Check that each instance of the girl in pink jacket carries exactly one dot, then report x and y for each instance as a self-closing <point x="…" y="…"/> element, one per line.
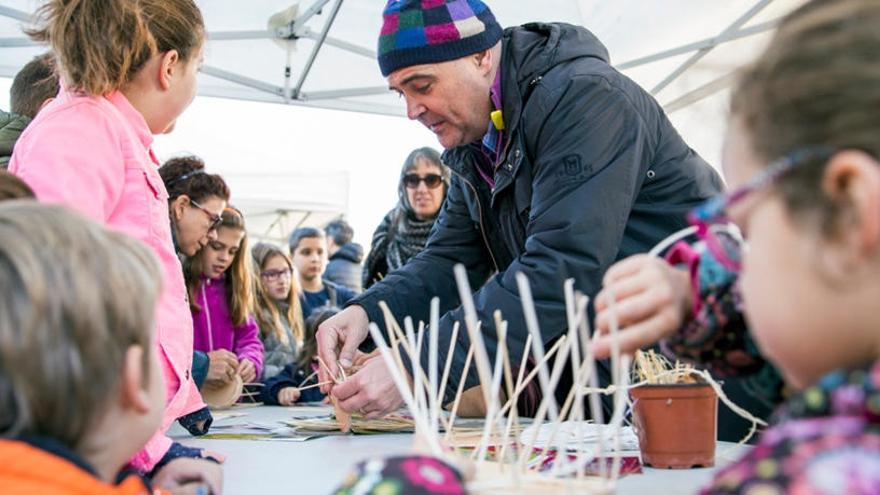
<point x="220" y="283"/>
<point x="128" y="70"/>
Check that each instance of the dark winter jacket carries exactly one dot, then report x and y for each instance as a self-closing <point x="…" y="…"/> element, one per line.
<point x="11" y="127"/>
<point x="344" y="267"/>
<point x="291" y="376"/>
<point x="592" y="172"/>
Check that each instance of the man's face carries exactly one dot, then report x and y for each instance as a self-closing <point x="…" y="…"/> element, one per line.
<point x="449" y="98"/>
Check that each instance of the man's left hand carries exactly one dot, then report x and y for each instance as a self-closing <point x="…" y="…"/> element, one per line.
<point x="370" y="392"/>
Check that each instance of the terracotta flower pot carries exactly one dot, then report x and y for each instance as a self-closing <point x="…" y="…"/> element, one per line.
<point x="676" y="424"/>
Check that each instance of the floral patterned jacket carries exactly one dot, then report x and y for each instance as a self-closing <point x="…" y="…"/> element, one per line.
<point x="823" y="440"/>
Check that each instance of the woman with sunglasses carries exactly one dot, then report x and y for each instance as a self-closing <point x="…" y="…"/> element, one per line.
<point x="803" y="160"/>
<point x="404" y="230"/>
<point x="196" y="200"/>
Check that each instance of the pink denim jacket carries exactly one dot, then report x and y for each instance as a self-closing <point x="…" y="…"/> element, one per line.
<point x="93" y="155"/>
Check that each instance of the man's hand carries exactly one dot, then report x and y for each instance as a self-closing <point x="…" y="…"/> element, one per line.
<point x="653" y="300"/>
<point x="222" y="367"/>
<point x="338" y="340"/>
<point x="183" y="474"/>
<point x="370" y="392"/>
<point x="288" y="396"/>
<point x="247" y="370"/>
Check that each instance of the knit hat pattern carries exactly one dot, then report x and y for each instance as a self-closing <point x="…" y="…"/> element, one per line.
<point x="416" y="32"/>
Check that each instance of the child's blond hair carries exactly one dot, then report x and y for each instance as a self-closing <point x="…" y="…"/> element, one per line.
<point x="74" y="297"/>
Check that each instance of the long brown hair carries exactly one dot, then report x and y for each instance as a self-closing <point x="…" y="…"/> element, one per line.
<point x="816" y="85"/>
<point x="100" y="45"/>
<point x="240" y="279"/>
<point x="264" y="252"/>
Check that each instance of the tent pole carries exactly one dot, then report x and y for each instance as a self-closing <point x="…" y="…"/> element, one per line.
<point x="752" y="12"/>
<point x="302" y="78"/>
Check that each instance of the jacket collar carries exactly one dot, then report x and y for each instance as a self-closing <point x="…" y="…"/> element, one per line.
<point x="852" y="393"/>
<point x="133" y="116"/>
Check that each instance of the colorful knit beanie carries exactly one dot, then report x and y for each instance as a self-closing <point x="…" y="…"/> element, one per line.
<point x="418" y="32"/>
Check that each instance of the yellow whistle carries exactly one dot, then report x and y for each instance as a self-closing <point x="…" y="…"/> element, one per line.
<point x="497" y="120"/>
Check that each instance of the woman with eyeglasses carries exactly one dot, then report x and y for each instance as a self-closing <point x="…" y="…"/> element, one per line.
<point x="196" y="200"/>
<point x="278" y="312"/>
<point x="404" y="231"/>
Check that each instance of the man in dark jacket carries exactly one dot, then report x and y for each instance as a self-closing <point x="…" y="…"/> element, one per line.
<point x="561" y="165"/>
<point x="344" y="266"/>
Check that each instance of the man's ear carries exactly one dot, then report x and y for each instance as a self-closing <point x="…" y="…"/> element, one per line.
<point x="168" y="67"/>
<point x="483" y="60"/>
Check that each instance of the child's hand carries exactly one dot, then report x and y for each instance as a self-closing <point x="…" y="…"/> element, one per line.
<point x="186" y="475"/>
<point x="288" y="396"/>
<point x="247" y="371"/>
<point x="222" y="367"/>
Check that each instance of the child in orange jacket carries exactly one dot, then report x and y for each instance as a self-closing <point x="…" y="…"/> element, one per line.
<point x="81" y="387"/>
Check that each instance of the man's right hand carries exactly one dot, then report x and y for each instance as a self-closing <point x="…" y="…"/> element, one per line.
<point x="222" y="368"/>
<point x="338" y="340"/>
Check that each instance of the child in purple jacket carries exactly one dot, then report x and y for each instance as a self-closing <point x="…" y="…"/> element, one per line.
<point x="219" y="281"/>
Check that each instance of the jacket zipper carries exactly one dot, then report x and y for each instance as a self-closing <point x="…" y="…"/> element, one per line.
<point x="482" y="230"/>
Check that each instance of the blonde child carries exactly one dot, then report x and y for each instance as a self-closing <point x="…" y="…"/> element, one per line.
<point x="128" y="70"/>
<point x="221" y="296"/>
<point x="803" y="159"/>
<point x="284" y="388"/>
<point x="279" y="314"/>
<point x="80" y="378"/>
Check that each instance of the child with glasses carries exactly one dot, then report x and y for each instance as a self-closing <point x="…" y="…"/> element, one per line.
<point x="286" y="388"/>
<point x="278" y="312"/>
<point x="220" y="283"/>
<point x="803" y="159"/>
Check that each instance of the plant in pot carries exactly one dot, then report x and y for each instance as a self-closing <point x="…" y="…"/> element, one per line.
<point x="675" y="414"/>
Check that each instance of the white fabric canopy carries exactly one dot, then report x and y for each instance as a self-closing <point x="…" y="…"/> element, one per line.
<point x="683" y="51"/>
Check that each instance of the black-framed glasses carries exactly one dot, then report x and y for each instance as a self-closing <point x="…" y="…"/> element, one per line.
<point x="215" y="219"/>
<point x="432" y="181"/>
<point x="272" y="275"/>
<point x="710" y="217"/>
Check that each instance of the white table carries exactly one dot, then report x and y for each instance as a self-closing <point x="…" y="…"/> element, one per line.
<point x="317" y="466"/>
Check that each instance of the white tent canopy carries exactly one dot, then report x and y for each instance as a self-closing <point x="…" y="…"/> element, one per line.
<point x="321" y="53"/>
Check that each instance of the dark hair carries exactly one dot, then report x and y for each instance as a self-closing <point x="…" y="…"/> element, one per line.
<point x="303" y="233"/>
<point x="185" y="175"/>
<point x="35" y="83"/>
<point x="11" y="187"/>
<point x="62" y="341"/>
<point x="309" y="349"/>
<point x="429" y="155"/>
<point x="816" y="85"/>
<point x="340" y="231"/>
<point x="240" y="282"/>
<point x="101" y="44"/>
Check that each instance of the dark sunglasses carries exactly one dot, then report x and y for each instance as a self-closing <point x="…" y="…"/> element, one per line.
<point x="431" y="180"/>
<point x="215" y="219"/>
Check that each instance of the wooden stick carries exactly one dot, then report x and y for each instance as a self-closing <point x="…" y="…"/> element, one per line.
<point x="474" y="332"/>
<point x="455" y="403"/>
<point x="528" y="304"/>
<point x="534" y="372"/>
<point x="501" y="333"/>
<point x="309" y="377"/>
<point x="514" y="397"/>
<point x="327" y="369"/>
<point x="312" y="386"/>
<point x="433" y="330"/>
<point x="547" y="400"/>
<point x="450" y="353"/>
<point x="492" y="408"/>
<point x="417" y="372"/>
<point x="403" y="389"/>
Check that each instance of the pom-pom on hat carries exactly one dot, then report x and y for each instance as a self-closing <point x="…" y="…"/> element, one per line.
<point x="418" y="32"/>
